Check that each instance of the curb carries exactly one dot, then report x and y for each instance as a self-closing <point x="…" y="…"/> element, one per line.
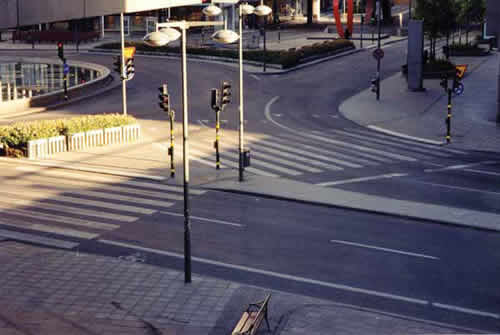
<point x="359" y="209"/>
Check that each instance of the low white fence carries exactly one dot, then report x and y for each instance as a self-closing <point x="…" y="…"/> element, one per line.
<point x="44" y="147"/>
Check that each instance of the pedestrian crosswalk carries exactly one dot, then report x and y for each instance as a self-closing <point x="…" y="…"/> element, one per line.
<point x="292" y="155"/>
<point x="77" y="204"/>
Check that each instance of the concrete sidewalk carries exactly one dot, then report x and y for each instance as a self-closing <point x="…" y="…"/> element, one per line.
<point x="473" y="124"/>
<point x="59" y="292"/>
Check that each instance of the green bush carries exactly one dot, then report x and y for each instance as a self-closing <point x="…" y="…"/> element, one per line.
<point x="18" y="134"/>
<point x="287" y="59"/>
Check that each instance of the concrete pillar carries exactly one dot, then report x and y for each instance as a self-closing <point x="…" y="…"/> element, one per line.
<point x="316" y="9"/>
<point x="102" y="26"/>
<point x="498" y="94"/>
<point x="8" y="92"/>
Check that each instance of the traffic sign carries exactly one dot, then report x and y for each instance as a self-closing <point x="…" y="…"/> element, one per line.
<point x="378" y="54"/>
<point x="461" y="70"/>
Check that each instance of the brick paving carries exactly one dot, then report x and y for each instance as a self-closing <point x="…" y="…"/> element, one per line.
<point x="46" y="291"/>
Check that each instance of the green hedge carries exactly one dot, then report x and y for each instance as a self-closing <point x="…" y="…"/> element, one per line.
<point x="287" y="58"/>
<point x="18" y="134"/>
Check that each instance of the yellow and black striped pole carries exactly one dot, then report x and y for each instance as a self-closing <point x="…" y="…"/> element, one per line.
<point x="448" y="118"/>
<point x="217" y="138"/>
<point x="171" y="115"/>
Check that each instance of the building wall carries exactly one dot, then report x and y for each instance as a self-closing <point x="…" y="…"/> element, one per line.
<point x="31" y="12"/>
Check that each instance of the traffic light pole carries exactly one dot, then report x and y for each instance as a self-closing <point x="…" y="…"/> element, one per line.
<point x="448" y="117"/>
<point x="378" y="46"/>
<point x="124" y="82"/>
<point x="217" y="138"/>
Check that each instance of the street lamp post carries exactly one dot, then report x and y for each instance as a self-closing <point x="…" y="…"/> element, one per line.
<point x="159" y="38"/>
<point x="379" y="26"/>
<point x="244" y="9"/>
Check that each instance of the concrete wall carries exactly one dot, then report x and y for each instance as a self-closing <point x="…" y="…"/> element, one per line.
<point x="43" y="11"/>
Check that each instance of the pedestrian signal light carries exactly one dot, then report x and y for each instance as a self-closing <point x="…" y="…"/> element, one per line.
<point x="374" y="86"/>
<point x="118" y="65"/>
<point x="214" y="99"/>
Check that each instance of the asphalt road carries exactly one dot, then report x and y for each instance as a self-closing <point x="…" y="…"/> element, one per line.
<point x="418" y="269"/>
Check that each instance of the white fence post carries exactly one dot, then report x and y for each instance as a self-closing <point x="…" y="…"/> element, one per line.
<point x="131" y="133"/>
<point x="38" y="148"/>
<point x="113" y="135"/>
<point x="76" y="142"/>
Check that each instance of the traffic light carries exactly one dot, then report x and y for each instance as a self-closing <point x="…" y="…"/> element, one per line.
<point x="130" y="68"/>
<point x="374" y="86"/>
<point x="444" y="83"/>
<point x="164" y="98"/>
<point x="118" y="65"/>
<point x="226" y="93"/>
<point x="214" y="99"/>
<point x="60" y="50"/>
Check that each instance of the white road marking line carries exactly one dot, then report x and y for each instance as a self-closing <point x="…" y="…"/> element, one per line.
<point x="466" y="310"/>
<point x="108" y="188"/>
<point x="267" y="113"/>
<point x="362" y="148"/>
<point x="314" y="158"/>
<point x="356" y="180"/>
<point x="204" y="219"/>
<point x="6" y="209"/>
<point x="457" y="167"/>
<point x="254" y="77"/>
<point x="258" y="153"/>
<point x="52" y="229"/>
<point x="106" y="179"/>
<point x="230" y="155"/>
<point x="273" y="274"/>
<point x="103" y="195"/>
<point x="69" y="209"/>
<point x="412" y="148"/>
<point x="398" y="139"/>
<point x="334" y="151"/>
<point x="201" y="123"/>
<point x="457" y="187"/>
<point x="28" y="193"/>
<point x="489" y="173"/>
<point x="390" y="132"/>
<point x="384" y="249"/>
<point x="326" y="152"/>
<point x="107" y="171"/>
<point x="37" y="239"/>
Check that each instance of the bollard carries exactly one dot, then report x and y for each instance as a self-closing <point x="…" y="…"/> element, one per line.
<point x="14" y="90"/>
<point x="8" y="92"/>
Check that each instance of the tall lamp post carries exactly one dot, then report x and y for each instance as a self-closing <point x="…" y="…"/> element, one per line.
<point x="223" y="37"/>
<point x="160" y="38"/>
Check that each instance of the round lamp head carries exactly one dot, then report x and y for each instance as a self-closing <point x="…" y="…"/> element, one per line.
<point x="173" y="34"/>
<point x="225" y="36"/>
<point x="212" y="10"/>
<point x="156" y="39"/>
<point x="246" y="9"/>
<point x="262" y="10"/>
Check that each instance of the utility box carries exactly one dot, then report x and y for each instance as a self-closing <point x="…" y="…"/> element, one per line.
<point x="246" y="158"/>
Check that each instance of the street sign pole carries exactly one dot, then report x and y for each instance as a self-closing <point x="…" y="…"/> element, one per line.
<point x="378" y="47"/>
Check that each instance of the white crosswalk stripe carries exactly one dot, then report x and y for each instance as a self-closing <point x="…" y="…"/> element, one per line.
<point x="288" y="154"/>
<point x="78" y="204"/>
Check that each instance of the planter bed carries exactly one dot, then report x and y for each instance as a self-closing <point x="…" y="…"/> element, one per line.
<point x="44" y="138"/>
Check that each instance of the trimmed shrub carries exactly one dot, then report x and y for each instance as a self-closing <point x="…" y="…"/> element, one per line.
<point x="287" y="59"/>
<point x="18" y="134"/>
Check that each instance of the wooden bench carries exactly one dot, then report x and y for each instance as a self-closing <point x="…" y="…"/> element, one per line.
<point x="252" y="318"/>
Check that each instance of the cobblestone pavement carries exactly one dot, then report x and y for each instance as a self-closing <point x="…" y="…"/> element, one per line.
<point x="45" y="291"/>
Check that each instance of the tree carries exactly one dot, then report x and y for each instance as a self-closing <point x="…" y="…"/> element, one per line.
<point x="440" y="17"/>
<point x="470" y="11"/>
